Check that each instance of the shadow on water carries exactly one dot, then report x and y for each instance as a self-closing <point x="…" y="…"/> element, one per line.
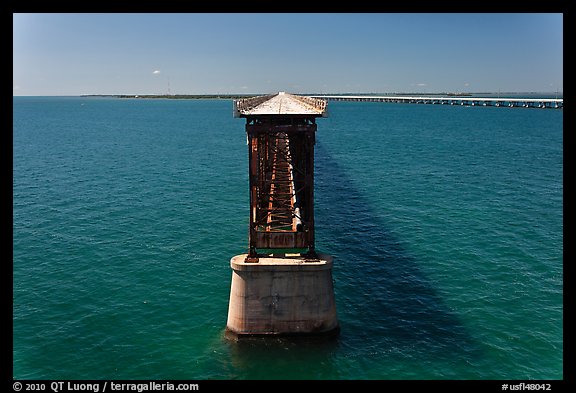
<point x="387" y="308"/>
<point x="384" y="300"/>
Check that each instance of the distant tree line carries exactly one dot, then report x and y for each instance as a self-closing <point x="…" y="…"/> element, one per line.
<point x="175" y="96"/>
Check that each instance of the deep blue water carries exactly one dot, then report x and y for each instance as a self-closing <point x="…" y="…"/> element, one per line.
<point x="445" y="223"/>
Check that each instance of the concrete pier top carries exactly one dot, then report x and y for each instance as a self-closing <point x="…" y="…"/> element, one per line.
<point x="280" y="104"/>
<point x="289" y="262"/>
<point x="282" y="296"/>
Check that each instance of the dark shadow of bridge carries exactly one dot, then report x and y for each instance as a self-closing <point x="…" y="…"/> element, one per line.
<point x="387" y="307"/>
<point x="384" y="300"/>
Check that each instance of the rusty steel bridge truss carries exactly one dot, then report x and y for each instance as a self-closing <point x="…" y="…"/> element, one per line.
<point x="281" y="176"/>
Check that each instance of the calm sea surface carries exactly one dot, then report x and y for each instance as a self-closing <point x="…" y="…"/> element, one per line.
<point x="445" y="224"/>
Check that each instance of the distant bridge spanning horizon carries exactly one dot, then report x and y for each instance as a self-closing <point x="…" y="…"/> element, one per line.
<point x="553" y="103"/>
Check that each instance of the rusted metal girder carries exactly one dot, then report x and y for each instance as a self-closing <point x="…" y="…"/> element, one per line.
<point x="281" y="176"/>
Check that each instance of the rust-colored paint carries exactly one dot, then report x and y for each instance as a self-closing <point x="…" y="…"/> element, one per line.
<point x="273" y="240"/>
<point x="281" y="176"/>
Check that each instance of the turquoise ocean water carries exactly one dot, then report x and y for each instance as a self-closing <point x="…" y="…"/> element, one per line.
<point x="445" y="222"/>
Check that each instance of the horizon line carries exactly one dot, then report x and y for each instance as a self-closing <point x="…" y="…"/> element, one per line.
<point x="258" y="94"/>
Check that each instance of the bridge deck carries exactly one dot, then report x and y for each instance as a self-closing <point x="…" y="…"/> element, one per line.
<point x="557" y="103"/>
<point x="280" y="104"/>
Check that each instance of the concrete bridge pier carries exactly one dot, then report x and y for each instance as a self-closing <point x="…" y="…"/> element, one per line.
<point x="288" y="295"/>
<point x="277" y="289"/>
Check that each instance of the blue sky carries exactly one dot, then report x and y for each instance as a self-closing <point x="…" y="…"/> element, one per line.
<point x="73" y="54"/>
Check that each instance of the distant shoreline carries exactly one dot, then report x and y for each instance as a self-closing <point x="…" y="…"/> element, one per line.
<point x="174" y="96"/>
<point x="240" y="96"/>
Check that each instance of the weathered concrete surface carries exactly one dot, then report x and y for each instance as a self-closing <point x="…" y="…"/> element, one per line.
<point x="280" y="104"/>
<point x="282" y="296"/>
